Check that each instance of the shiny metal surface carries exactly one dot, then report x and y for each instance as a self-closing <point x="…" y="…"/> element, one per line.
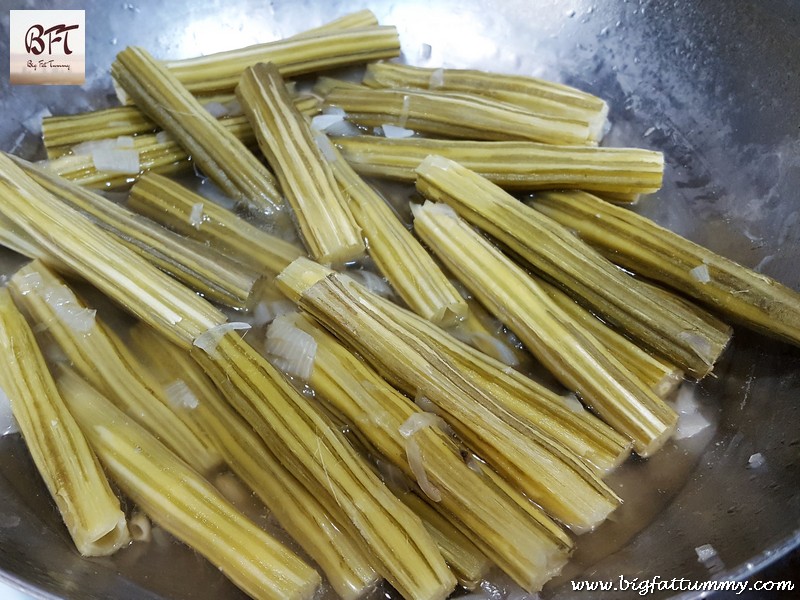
<point x="715" y="85"/>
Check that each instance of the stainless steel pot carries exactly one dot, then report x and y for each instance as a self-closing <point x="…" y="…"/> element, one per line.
<point x="715" y="85"/>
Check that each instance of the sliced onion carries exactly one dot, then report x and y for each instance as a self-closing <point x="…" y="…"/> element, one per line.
<point x="208" y="340"/>
<point x="395" y="132"/>
<point x="690" y="425"/>
<point x="92" y="146"/>
<point x="756" y="460"/>
<point x="705" y="552"/>
<point x="8" y="423"/>
<point x="571" y="402"/>
<point x="196" y="215"/>
<point x="29" y="282"/>
<point x="374" y="283"/>
<point x="436" y="161"/>
<point x="267" y="311"/>
<point x="120" y="92"/>
<point x="216" y="109"/>
<point x="291" y="349"/>
<point x="401" y="121"/>
<point x="233" y="107"/>
<point x="415" y="462"/>
<point x="325" y="146"/>
<point x="437" y="79"/>
<point x="690" y="419"/>
<point x="164" y="137"/>
<point x="417" y="421"/>
<point x="116" y="160"/>
<point x="708" y="557"/>
<point x="425" y="51"/>
<point x="494" y="347"/>
<point x="63" y="302"/>
<point x="343" y="128"/>
<point x="700" y="273"/>
<point x="440" y="208"/>
<point x="333" y="121"/>
<point x="34" y="122"/>
<point x="89" y="148"/>
<point x="492" y="590"/>
<point x="322" y="122"/>
<point x="180" y="395"/>
<point x="607" y="127"/>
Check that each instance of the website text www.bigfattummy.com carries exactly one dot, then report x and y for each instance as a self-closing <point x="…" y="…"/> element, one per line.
<point x="643" y="587"/>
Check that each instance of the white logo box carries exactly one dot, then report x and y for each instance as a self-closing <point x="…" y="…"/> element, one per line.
<point x="47" y="47"/>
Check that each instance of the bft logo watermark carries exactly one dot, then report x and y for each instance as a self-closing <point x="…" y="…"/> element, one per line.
<point x="48" y="47"/>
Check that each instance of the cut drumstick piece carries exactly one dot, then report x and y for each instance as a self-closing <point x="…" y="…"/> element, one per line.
<point x="533" y="94"/>
<point x="468" y="563"/>
<point x="561" y="343"/>
<point x="665" y="326"/>
<point x="639" y="244"/>
<point x="216" y="151"/>
<point x="412" y="272"/>
<point x="454" y="115"/>
<point x="284" y="136"/>
<point x="298" y="55"/>
<point x="514" y="165"/>
<point x="68" y="466"/>
<point x="659" y="375"/>
<point x="101" y="258"/>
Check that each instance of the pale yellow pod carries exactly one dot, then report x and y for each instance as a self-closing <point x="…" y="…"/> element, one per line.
<point x="62" y="455"/>
<point x="323" y="216"/>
